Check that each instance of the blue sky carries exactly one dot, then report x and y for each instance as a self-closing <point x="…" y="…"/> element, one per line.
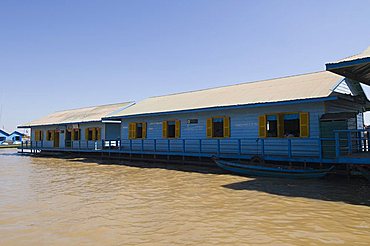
<point x="58" y="55"/>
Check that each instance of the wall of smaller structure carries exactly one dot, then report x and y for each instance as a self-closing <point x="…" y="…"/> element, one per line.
<point x="83" y="143"/>
<point x="341" y="105"/>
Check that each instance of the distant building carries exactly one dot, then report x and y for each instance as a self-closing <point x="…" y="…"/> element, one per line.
<point x="15" y="137"/>
<point x="3" y="136"/>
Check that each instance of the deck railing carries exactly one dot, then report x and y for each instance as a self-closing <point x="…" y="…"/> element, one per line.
<point x="348" y="142"/>
<point x="309" y="149"/>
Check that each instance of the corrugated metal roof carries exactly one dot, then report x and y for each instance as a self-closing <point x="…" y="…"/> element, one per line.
<point x="79" y="115"/>
<point x="362" y="55"/>
<point x="313" y="85"/>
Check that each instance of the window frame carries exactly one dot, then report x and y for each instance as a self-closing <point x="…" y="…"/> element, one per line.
<point x="73" y="134"/>
<point x="51" y="137"/>
<point x="280" y="116"/>
<point x="299" y="124"/>
<point x="225" y="129"/>
<point x="132" y="133"/>
<point x="95" y="133"/>
<point x="177" y="126"/>
<point x="39" y="135"/>
<point x="277" y="125"/>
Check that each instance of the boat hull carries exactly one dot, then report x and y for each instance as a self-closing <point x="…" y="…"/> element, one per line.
<point x="249" y="170"/>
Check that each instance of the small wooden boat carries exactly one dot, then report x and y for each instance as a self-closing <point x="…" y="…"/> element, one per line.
<point x="278" y="171"/>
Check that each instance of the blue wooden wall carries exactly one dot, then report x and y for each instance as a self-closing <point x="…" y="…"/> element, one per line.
<point x="244" y="124"/>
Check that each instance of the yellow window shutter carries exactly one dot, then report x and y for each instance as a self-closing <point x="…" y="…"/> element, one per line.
<point x="164" y="129"/>
<point x="134" y="135"/>
<point x="177" y="128"/>
<point x="304" y="122"/>
<point x="73" y="134"/>
<point x="280" y="125"/>
<point x="131" y="130"/>
<point x="41" y="135"/>
<point x="144" y="129"/>
<point x="226" y="127"/>
<point x="262" y="126"/>
<point x="52" y="132"/>
<point x="98" y="132"/>
<point x="36" y="135"/>
<point x="93" y="134"/>
<point x="209" y="128"/>
<point x="86" y="133"/>
<point x="79" y="134"/>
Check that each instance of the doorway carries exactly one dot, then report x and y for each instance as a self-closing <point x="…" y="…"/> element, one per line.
<point x="331" y="122"/>
<point x="56" y="139"/>
<point x="68" y="140"/>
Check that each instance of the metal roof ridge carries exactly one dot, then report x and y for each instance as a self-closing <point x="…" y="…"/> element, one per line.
<point x="88" y="107"/>
<point x="348" y="57"/>
<point x="242" y="83"/>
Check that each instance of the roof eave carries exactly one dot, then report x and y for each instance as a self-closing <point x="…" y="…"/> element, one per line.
<point x="58" y="124"/>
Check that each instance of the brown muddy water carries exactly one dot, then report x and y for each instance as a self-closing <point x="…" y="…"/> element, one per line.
<point x="50" y="201"/>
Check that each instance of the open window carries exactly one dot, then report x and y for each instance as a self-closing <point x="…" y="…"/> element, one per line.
<point x="291" y="125"/>
<point x="218" y="127"/>
<point x="272" y="125"/>
<point x="76" y="134"/>
<point x="50" y="135"/>
<point x="171" y="129"/>
<point x="93" y="133"/>
<point x="284" y="125"/>
<point x="137" y="130"/>
<point x="39" y="135"/>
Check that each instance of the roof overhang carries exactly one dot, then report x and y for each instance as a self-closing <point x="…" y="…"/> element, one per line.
<point x="356" y="67"/>
<point x="358" y="70"/>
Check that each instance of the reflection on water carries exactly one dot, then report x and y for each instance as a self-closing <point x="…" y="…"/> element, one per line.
<point x="73" y="202"/>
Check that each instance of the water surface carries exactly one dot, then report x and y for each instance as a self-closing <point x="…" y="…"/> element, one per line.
<point x="51" y="201"/>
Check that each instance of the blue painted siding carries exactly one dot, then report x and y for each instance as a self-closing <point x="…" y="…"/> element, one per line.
<point x="243" y="122"/>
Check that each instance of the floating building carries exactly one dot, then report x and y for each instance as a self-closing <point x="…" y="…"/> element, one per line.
<point x="310" y="118"/>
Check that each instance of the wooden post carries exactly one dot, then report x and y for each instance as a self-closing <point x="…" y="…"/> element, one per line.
<point x="200" y="146"/>
<point x="320" y="149"/>
<point x="239" y="147"/>
<point x="218" y="147"/>
<point x="337" y="145"/>
<point x="349" y="139"/>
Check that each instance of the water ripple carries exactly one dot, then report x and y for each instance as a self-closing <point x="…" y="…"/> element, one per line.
<point x="47" y="201"/>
